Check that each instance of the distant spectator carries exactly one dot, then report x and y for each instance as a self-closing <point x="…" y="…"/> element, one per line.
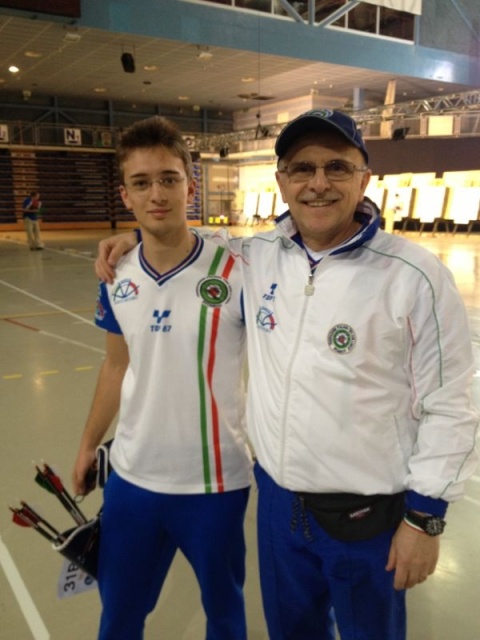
<point x="31" y="216"/>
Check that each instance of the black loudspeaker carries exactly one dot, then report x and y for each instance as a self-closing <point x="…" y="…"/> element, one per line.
<point x="128" y="62"/>
<point x="400" y="134"/>
<point x="195" y="156"/>
<point x="223" y="151"/>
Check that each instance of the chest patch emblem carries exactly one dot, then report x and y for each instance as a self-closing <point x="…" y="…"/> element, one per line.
<point x="266" y="320"/>
<point x="342" y="338"/>
<point x="214" y="291"/>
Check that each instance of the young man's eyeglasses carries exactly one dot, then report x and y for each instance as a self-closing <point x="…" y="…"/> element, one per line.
<point x="143" y="185"/>
<point x="335" y="170"/>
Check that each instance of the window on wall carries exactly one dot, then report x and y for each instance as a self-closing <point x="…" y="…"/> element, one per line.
<point x="255" y="5"/>
<point x="396" y="24"/>
<point x="369" y="18"/>
<point x="324" y="9"/>
<point x="364" y="17"/>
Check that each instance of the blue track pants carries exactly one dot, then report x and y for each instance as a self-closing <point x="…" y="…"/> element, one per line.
<point x="140" y="533"/>
<point x="309" y="579"/>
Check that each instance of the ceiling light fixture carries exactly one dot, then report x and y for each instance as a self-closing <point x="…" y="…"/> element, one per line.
<point x="72" y="36"/>
<point x="128" y="61"/>
<point x="13" y="69"/>
<point x="224" y="151"/>
<point x="260" y="131"/>
<point x="204" y="54"/>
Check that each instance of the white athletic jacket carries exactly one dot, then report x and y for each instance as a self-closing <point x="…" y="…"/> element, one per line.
<point x="360" y="370"/>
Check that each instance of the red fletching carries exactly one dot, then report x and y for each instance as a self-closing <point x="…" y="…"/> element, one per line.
<point x="20" y="519"/>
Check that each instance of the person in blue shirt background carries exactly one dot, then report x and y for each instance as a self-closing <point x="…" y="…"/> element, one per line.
<point x="31" y="216"/>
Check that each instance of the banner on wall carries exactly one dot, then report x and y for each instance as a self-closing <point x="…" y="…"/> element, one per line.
<point x="409" y="6"/>
<point x="72" y="136"/>
<point x="3" y="133"/>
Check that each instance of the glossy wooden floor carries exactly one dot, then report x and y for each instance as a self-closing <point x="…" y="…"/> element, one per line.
<point x="50" y="356"/>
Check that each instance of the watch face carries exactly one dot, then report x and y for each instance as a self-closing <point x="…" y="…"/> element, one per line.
<point x="434" y="526"/>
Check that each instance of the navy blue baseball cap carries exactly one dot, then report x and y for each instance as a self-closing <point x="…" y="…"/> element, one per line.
<point x="320" y="120"/>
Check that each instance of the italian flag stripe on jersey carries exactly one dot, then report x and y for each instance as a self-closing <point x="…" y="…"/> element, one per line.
<point x="207" y="353"/>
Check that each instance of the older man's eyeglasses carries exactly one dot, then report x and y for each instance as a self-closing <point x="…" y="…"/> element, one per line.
<point x="335" y="170"/>
<point x="143" y="185"/>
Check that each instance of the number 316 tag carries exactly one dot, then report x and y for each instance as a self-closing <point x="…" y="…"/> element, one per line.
<point x="73" y="581"/>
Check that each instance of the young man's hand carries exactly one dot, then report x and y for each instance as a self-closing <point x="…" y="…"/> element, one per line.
<point x="82" y="473"/>
<point x="110" y="251"/>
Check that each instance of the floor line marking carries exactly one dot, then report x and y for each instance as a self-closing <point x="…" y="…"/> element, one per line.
<point x="16" y="376"/>
<point x="68" y="252"/>
<point x="62" y="310"/>
<point x="23" y="597"/>
<point x="41" y="314"/>
<point x="20" y="324"/>
<point x="75" y="342"/>
<point x="49" y="304"/>
<point x="472" y="500"/>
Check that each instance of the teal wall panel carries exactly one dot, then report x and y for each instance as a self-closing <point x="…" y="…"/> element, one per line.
<point x="247" y="30"/>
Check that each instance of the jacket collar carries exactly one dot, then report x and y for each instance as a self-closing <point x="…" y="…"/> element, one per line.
<point x="367" y="214"/>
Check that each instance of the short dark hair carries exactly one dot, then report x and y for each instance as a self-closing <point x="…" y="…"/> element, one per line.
<point x="153" y="132"/>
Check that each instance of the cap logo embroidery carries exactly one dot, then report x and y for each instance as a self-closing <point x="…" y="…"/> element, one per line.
<point x="323" y="113"/>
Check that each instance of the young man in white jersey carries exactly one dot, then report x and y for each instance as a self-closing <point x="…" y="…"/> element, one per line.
<point x="359" y="408"/>
<point x="175" y="351"/>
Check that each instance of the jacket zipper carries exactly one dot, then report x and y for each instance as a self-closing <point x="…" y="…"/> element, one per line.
<point x="308" y="290"/>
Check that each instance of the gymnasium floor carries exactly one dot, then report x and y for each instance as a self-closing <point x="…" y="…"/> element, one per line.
<point x="50" y="356"/>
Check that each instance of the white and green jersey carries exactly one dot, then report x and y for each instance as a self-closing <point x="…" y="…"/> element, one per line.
<point x="181" y="424"/>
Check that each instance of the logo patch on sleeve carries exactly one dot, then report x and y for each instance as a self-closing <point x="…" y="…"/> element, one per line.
<point x="124" y="291"/>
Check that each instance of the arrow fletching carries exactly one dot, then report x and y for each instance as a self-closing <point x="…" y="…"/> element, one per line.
<point x="24" y="519"/>
<point x="49" y="480"/>
<point x="43" y="482"/>
<point x="19" y="519"/>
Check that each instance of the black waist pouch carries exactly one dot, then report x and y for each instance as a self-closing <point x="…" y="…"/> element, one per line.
<point x="351" y="517"/>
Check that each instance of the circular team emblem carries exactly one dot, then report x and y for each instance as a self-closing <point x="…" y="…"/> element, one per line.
<point x="342" y="338"/>
<point x="214" y="291"/>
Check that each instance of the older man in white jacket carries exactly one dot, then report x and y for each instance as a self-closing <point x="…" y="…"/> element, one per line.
<point x="359" y="395"/>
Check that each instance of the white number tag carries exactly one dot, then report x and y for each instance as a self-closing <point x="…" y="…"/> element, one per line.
<point x="73" y="581"/>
